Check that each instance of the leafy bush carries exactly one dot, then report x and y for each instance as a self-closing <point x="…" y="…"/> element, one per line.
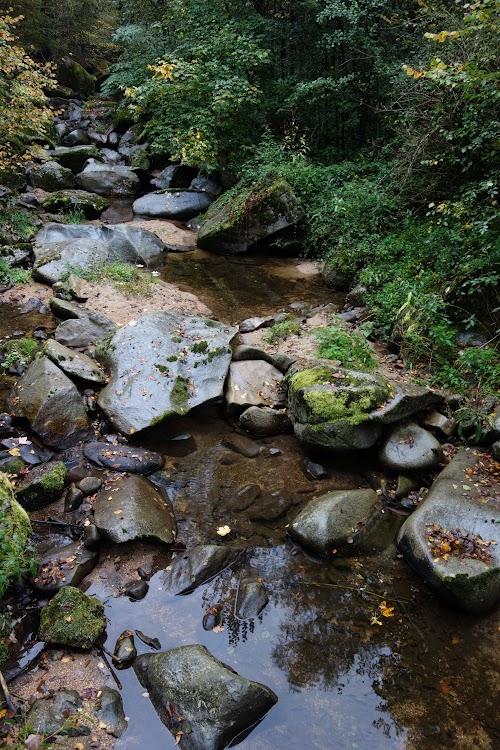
<point x="19" y="352"/>
<point x="350" y="348"/>
<point x="281" y="331"/>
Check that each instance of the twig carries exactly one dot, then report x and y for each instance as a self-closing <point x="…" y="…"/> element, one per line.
<point x="8" y="700"/>
<point x="358" y="591"/>
<point x="57" y="524"/>
<point x="112" y="671"/>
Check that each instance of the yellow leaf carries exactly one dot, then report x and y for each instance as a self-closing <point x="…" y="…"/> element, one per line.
<point x="385" y="610"/>
<point x="14" y="452"/>
<point x="68" y="618"/>
<point x="223" y="530"/>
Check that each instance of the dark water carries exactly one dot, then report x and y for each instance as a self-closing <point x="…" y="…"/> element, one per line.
<point x="347" y="677"/>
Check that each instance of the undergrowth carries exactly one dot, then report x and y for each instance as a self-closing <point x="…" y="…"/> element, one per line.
<point x="282" y="330"/>
<point x="349" y="348"/>
<point x="125" y="277"/>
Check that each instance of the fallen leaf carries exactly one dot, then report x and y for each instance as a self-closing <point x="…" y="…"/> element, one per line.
<point x="223" y="530"/>
<point x="218" y="629"/>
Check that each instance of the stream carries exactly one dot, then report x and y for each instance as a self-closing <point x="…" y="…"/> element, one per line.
<point x="349" y="672"/>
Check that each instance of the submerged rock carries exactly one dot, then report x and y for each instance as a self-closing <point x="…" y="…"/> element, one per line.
<point x="252" y="599"/>
<point x="216" y="703"/>
<point x="72" y="619"/>
<point x="133" y="509"/>
<point x="453" y="538"/>
<point x="165" y="364"/>
<point x="57" y="713"/>
<point x="42" y="485"/>
<point x="240" y="220"/>
<point x="337" y="521"/>
<point x="172" y="204"/>
<point x="74" y="363"/>
<point x="51" y="403"/>
<point x="410" y="450"/>
<point x="110" y="712"/>
<point x="123" y="458"/>
<point x="64" y="566"/>
<point x="196" y="566"/>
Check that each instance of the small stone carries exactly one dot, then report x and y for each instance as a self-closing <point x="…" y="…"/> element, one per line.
<point x="314" y="470"/>
<point x="252" y="598"/>
<point x="90" y="485"/>
<point x="125" y="651"/>
<point x="242" y="445"/>
<point x="441" y="426"/>
<point x="406" y="485"/>
<point x="73" y="500"/>
<point x="110" y="711"/>
<point x="136" y="589"/>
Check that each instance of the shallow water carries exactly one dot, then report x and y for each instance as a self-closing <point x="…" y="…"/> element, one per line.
<point x="424" y="678"/>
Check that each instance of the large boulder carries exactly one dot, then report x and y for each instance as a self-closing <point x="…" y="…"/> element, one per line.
<point x="165" y="364"/>
<point x="14" y="527"/>
<point x="130" y="460"/>
<point x="330" y="408"/>
<point x="73" y="75"/>
<point x="72" y="619"/>
<point x="51" y="403"/>
<point x="74" y="364"/>
<point x="51" y="176"/>
<point x="245" y="217"/>
<point x="453" y="538"/>
<point x="173" y="204"/>
<point x="409" y="449"/>
<point x="60" y="248"/>
<point x="107" y="179"/>
<point x="90" y="204"/>
<point x="176" y="176"/>
<point x="133" y="509"/>
<point x="75" y="157"/>
<point x="337" y="521"/>
<point x="42" y="485"/>
<point x="215" y="702"/>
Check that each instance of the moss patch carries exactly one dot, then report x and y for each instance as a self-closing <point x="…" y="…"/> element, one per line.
<point x="72" y="619"/>
<point x="19" y="351"/>
<point x="15" y="529"/>
<point x="180" y="393"/>
<point x="42" y="485"/>
<point x="199" y="347"/>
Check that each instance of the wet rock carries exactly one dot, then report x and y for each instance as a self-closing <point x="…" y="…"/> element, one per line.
<point x="125" y="651"/>
<point x="63" y="566"/>
<point x="89" y="485"/>
<point x="51" y="403"/>
<point x="176" y="176"/>
<point x="254" y="383"/>
<point x="270" y="506"/>
<point x="77" y="137"/>
<point x="166" y="364"/>
<point x="442" y="426"/>
<point x="196" y="566"/>
<point x="242" y="445"/>
<point x="244" y="352"/>
<point x="283" y="362"/>
<point x="107" y="179"/>
<point x="206" y="185"/>
<point x="151" y="642"/>
<point x="136" y="589"/>
<point x="172" y="204"/>
<point x="30" y="453"/>
<point x="123" y="458"/>
<point x="410" y="450"/>
<point x="212" y="618"/>
<point x="337" y="521"/>
<point x="253" y="324"/>
<point x="54" y="714"/>
<point x="315" y="470"/>
<point x="216" y="703"/>
<point x="72" y="619"/>
<point x="495" y="450"/>
<point x="64" y="201"/>
<point x="252" y="599"/>
<point x="331" y="407"/>
<point x="466" y="575"/>
<point x="42" y="485"/>
<point x="51" y="176"/>
<point x="73" y="500"/>
<point x="264" y="421"/>
<point x="142" y="512"/>
<point x="91" y="536"/>
<point x="74" y="363"/>
<point x="110" y="712"/>
<point x="74" y="157"/>
<point x="61" y="247"/>
<point x="255" y="214"/>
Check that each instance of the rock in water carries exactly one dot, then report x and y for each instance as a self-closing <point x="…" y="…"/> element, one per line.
<point x="123" y="458"/>
<point x="74" y="363"/>
<point x="42" y="485"/>
<point x="254" y="383"/>
<point x="72" y="619"/>
<point x="133" y="509"/>
<point x="64" y="566"/>
<point x="163" y="365"/>
<point x="215" y="702"/>
<point x="453" y="538"/>
<point x="410" y="450"/>
<point x="239" y="221"/>
<point x="196" y="566"/>
<point x="110" y="711"/>
<point x="264" y="421"/>
<point x="173" y="204"/>
<point x="337" y="521"/>
<point x="51" y="403"/>
<point x="252" y="599"/>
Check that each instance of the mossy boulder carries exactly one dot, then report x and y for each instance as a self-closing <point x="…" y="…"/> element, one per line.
<point x="74" y="76"/>
<point x="42" y="485"/>
<point x="247" y="217"/>
<point x="52" y="176"/>
<point x="15" y="529"/>
<point x="75" y="157"/>
<point x="72" y="619"/>
<point x="331" y="408"/>
<point x="90" y="204"/>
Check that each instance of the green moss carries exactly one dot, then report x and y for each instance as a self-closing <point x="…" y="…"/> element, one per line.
<point x="176" y="339"/>
<point x="162" y="417"/>
<point x="20" y="351"/>
<point x="72" y="619"/>
<point x="43" y="485"/>
<point x="163" y="369"/>
<point x="180" y="393"/>
<point x="211" y="323"/>
<point x="216" y="353"/>
<point x="15" y="529"/>
<point x="173" y="358"/>
<point x="281" y="331"/>
<point x="199" y="347"/>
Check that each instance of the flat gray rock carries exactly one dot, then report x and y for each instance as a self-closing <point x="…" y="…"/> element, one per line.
<point x="64" y="566"/>
<point x="196" y="566"/>
<point x="61" y="248"/>
<point x="80" y="327"/>
<point x="51" y="403"/>
<point x="173" y="204"/>
<point x="133" y="509"/>
<point x="409" y="449"/>
<point x="164" y="364"/>
<point x="132" y="460"/>
<point x="216" y="703"/>
<point x="254" y="383"/>
<point x="337" y="521"/>
<point x="458" y="508"/>
<point x="108" y="180"/>
<point x="74" y="363"/>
